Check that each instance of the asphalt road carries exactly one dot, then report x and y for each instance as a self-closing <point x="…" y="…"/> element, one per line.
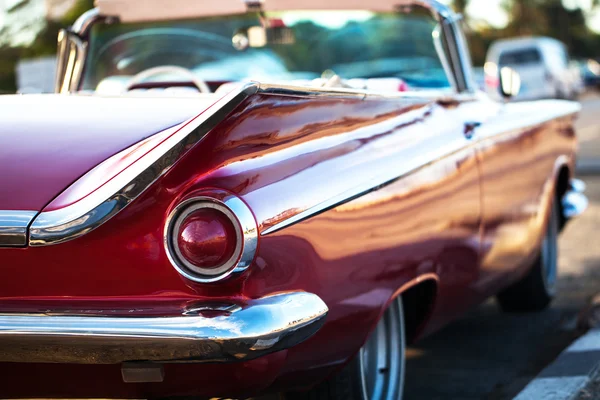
<point x="491" y="355"/>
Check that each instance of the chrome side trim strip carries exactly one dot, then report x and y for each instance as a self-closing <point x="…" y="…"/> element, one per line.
<point x="342" y="198"/>
<point x="363" y="188"/>
<point x="13" y="227"/>
<point x="359" y="94"/>
<point x="58" y="226"/>
<point x="574" y="202"/>
<point x="303" y="91"/>
<point x="573" y="198"/>
<point x="236" y="333"/>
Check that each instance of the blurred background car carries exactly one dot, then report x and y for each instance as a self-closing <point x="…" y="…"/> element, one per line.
<point x="543" y="64"/>
<point x="590" y="73"/>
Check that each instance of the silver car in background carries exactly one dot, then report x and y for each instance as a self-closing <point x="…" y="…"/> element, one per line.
<point x="542" y="63"/>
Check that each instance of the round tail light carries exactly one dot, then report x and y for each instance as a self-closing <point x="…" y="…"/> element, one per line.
<point x="209" y="238"/>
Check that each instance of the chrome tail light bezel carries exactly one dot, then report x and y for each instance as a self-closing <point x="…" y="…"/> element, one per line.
<point x="243" y="221"/>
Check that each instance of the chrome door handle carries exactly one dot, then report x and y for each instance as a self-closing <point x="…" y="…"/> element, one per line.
<point x="470" y="128"/>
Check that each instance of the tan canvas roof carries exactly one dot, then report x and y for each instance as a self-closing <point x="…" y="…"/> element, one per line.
<point x="153" y="10"/>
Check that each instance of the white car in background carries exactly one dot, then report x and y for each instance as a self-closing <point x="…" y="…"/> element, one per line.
<point x="542" y="63"/>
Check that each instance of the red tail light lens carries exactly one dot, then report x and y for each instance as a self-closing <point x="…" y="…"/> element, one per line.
<point x="205" y="240"/>
<point x="211" y="236"/>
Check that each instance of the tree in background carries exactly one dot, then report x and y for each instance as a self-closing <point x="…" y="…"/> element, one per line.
<point x="551" y="18"/>
<point x="460" y="6"/>
<point x="44" y="44"/>
<point x="527" y="17"/>
<point x="537" y="18"/>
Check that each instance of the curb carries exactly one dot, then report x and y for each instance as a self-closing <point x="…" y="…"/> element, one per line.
<point x="569" y="373"/>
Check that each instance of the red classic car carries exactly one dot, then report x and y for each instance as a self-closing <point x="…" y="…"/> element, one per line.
<point x="242" y="197"/>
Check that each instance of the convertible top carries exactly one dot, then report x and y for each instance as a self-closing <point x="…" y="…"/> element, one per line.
<point x="152" y="10"/>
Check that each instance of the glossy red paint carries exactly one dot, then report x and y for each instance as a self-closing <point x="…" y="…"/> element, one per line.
<point x="41" y="156"/>
<point x="519" y="172"/>
<point x="206" y="238"/>
<point x="397" y="194"/>
<point x="57" y="381"/>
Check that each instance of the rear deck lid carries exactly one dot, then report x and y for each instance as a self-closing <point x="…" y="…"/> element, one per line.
<point x="48" y="141"/>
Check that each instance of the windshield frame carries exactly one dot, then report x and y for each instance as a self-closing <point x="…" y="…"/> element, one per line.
<point x="450" y="41"/>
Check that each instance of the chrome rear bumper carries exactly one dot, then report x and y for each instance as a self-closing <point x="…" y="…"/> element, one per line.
<point x="574" y="202"/>
<point x="238" y="333"/>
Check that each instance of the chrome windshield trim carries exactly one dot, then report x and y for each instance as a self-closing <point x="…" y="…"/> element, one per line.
<point x="457" y="64"/>
<point x="58" y="226"/>
<point x="61" y="59"/>
<point x="84" y="23"/>
<point x="238" y="333"/>
<point x="360" y="190"/>
<point x="72" y="51"/>
<point x="13" y="227"/>
<point x="69" y="60"/>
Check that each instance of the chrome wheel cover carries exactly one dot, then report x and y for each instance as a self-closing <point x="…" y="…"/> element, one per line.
<point x="382" y="357"/>
<point x="549" y="254"/>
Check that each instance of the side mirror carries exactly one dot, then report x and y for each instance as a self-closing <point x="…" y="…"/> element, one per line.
<point x="510" y="83"/>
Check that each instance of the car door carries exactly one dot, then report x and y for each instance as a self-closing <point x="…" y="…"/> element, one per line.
<point x="448" y="191"/>
<point x="461" y="278"/>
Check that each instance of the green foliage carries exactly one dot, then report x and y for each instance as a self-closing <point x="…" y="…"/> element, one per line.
<point x="43" y="45"/>
<point x="461" y="5"/>
<point x="538" y="18"/>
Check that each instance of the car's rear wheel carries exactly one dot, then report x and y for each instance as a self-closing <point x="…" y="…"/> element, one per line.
<point x="377" y="371"/>
<point x="538" y="288"/>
